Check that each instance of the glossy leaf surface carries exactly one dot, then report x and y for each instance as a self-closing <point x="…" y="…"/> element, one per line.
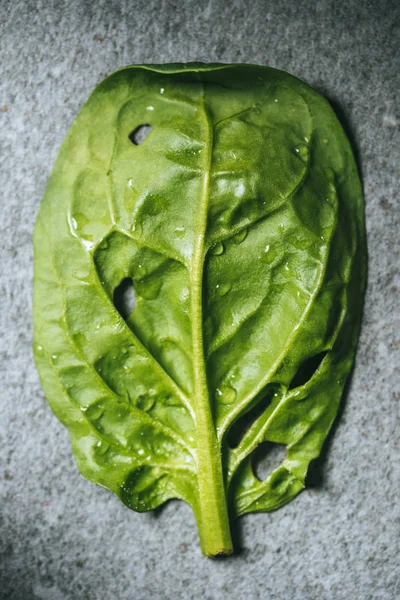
<point x="229" y="197"/>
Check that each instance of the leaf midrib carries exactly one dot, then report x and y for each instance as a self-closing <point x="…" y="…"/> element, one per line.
<point x="196" y="272"/>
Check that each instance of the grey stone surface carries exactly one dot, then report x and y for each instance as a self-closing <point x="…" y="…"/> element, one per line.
<point x="62" y="537"/>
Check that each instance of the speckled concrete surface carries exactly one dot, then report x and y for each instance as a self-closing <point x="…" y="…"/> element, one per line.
<point x="63" y="538"/>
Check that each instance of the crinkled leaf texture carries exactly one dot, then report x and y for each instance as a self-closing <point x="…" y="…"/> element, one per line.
<point x="238" y="216"/>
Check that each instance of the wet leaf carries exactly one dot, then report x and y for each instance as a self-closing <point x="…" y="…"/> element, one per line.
<point x="228" y="197"/>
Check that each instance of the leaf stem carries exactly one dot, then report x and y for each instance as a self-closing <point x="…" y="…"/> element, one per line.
<point x="212" y="512"/>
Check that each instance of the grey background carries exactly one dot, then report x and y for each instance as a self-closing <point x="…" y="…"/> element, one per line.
<point x="64" y="538"/>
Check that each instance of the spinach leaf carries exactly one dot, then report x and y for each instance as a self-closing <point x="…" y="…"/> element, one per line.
<point x="228" y="197"/>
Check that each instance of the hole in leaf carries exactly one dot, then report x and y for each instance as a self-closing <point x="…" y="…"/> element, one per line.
<point x="245" y="421"/>
<point x="124" y="298"/>
<point x="266" y="458"/>
<point x="307" y="370"/>
<point x="139" y="134"/>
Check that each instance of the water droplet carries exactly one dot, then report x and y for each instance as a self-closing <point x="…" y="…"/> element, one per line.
<point x="301" y="242"/>
<point x="95" y="412"/>
<point x="136" y="228"/>
<point x="226" y="395"/>
<point x="102" y="448"/>
<point x="180" y="231"/>
<point x="286" y="270"/>
<point x="241" y="236"/>
<point x="281" y="227"/>
<point x="88" y="244"/>
<point x="54" y="358"/>
<point x="140" y="270"/>
<point x="300" y="394"/>
<point x="82" y="275"/>
<point x="302" y="297"/>
<point x="223" y="288"/>
<point x="276" y="100"/>
<point x="162" y="90"/>
<point x="39" y="349"/>
<point x="325" y="140"/>
<point x="172" y="401"/>
<point x="140" y="451"/>
<point x="131" y="195"/>
<point x="145" y="402"/>
<point x="302" y="151"/>
<point x="149" y="107"/>
<point x="148" y="288"/>
<point x="269" y="254"/>
<point x="332" y="194"/>
<point x="306" y="139"/>
<point x="218" y="249"/>
<point x="224" y="217"/>
<point x="81" y="221"/>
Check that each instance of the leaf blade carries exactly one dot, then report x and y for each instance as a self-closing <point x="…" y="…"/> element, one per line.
<point x="239" y="219"/>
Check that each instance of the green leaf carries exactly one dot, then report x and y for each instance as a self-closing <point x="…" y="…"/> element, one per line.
<point x="229" y="197"/>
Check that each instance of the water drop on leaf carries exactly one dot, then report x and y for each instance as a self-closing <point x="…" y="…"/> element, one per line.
<point x="145" y="402"/>
<point x="102" y="448"/>
<point x="223" y="288"/>
<point x="148" y="288"/>
<point x="180" y="231"/>
<point x="241" y="236"/>
<point x="95" y="412"/>
<point x="226" y="395"/>
<point x="269" y="254"/>
<point x="218" y="249"/>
